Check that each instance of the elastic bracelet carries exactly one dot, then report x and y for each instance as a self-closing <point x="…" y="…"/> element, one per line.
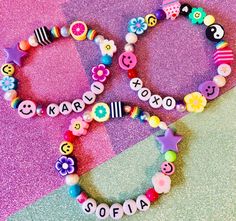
<point x="66" y="164"/>
<point x="43" y="36"/>
<point x="223" y="57"/>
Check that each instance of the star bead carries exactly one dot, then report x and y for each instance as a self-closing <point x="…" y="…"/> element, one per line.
<point x="14" y="55"/>
<point x="169" y="141"/>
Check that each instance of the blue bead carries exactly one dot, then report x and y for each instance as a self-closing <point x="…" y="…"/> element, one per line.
<point x="106" y="59"/>
<point x="74" y="191"/>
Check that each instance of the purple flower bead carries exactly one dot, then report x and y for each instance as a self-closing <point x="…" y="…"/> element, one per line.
<point x="100" y="73"/>
<point x="65" y="165"/>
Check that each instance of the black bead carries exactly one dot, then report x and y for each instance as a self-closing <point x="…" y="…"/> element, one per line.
<point x="215" y="32"/>
<point x="185" y="9"/>
<point x="43" y="36"/>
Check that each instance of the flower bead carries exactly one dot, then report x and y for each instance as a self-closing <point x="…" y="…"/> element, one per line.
<point x="197" y="15"/>
<point x="78" y="126"/>
<point x="100" y="73"/>
<point x="65" y="165"/>
<point x="195" y="102"/>
<point x="8" y="83"/>
<point x="137" y="25"/>
<point x="108" y="47"/>
<point x="161" y="183"/>
<point x="101" y="112"/>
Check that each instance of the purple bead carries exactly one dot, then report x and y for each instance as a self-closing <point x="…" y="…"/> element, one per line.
<point x="160" y="14"/>
<point x="180" y="106"/>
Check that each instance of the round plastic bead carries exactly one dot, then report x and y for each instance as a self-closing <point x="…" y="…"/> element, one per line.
<point x="170" y="156"/>
<point x="143" y="203"/>
<point x="7" y="70"/>
<point x="33" y="41"/>
<point x="27" y="109"/>
<point x="116" y="211"/>
<point x="100" y="112"/>
<point x="68" y="136"/>
<point x="155" y="101"/>
<point x="40" y="110"/>
<point x="24" y="45"/>
<point x="74" y="191"/>
<point x="129" y="47"/>
<point x="66" y="148"/>
<point x="78" y="30"/>
<point x="131" y="38"/>
<point x="55" y="31"/>
<point x="87" y="116"/>
<point x="65" y="31"/>
<point x="224" y="70"/>
<point x="163" y="125"/>
<point x="144" y="94"/>
<point x="98" y="39"/>
<point x="91" y="34"/>
<point x="160" y="14"/>
<point x="65" y="108"/>
<point x="89" y="97"/>
<point x="136" y="84"/>
<point x="185" y="9"/>
<point x="168" y="103"/>
<point x="144" y="116"/>
<point x="209" y="20"/>
<point x="52" y="110"/>
<point x="180" y="107"/>
<point x="82" y="198"/>
<point x="78" y="105"/>
<point x="72" y="179"/>
<point x="10" y="95"/>
<point x="129" y="207"/>
<point x="132" y="73"/>
<point x="151" y="20"/>
<point x="219" y="80"/>
<point x="97" y="87"/>
<point x="106" y="60"/>
<point x="89" y="206"/>
<point x="102" y="211"/>
<point x="15" y="102"/>
<point x="152" y="195"/>
<point x="154" y="121"/>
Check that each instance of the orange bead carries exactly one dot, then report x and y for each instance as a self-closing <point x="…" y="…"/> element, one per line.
<point x="24" y="45"/>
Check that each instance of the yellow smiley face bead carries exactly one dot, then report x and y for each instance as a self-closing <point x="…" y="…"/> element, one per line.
<point x="7" y="69"/>
<point x="66" y="148"/>
<point x="151" y="20"/>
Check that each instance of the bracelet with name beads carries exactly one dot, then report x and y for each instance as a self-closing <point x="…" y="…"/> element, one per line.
<point x="223" y="57"/>
<point x="43" y="36"/>
<point x="161" y="182"/>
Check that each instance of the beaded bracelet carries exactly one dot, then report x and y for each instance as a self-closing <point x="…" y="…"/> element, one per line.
<point x="161" y="181"/>
<point x="43" y="36"/>
<point x="223" y="57"/>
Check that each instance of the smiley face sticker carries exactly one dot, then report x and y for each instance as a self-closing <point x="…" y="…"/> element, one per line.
<point x="151" y="20"/>
<point x="7" y="69"/>
<point x="167" y="168"/>
<point x="27" y="109"/>
<point x="209" y="90"/>
<point x="66" y="148"/>
<point x="127" y="60"/>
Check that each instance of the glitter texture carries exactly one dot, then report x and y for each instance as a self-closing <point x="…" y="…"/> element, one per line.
<point x="62" y="72"/>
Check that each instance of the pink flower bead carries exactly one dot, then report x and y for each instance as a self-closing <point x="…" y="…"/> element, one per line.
<point x="100" y="73"/>
<point x="82" y="198"/>
<point x="152" y="195"/>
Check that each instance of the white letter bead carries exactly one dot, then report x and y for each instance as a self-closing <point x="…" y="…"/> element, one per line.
<point x="102" y="211"/>
<point x="89" y="97"/>
<point x="97" y="87"/>
<point x="155" y="101"/>
<point x="89" y="206"/>
<point x="129" y="207"/>
<point x="169" y="103"/>
<point x="136" y="84"/>
<point x="65" y="108"/>
<point x="116" y="211"/>
<point x="143" y="203"/>
<point x="131" y="38"/>
<point x="144" y="94"/>
<point x="52" y="110"/>
<point x="78" y="105"/>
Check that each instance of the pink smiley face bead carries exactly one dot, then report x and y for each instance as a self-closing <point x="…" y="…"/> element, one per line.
<point x="127" y="60"/>
<point x="27" y="109"/>
<point x="167" y="168"/>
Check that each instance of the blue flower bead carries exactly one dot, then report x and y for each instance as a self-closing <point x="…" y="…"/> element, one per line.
<point x="137" y="25"/>
<point x="8" y="83"/>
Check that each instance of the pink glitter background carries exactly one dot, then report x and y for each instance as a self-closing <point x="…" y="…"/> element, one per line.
<point x="174" y="58"/>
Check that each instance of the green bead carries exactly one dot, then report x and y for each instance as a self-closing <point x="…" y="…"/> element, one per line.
<point x="170" y="156"/>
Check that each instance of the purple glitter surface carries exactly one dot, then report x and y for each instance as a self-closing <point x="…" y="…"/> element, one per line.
<point x="173" y="59"/>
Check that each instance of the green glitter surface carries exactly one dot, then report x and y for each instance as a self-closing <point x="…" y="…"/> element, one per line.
<point x="203" y="187"/>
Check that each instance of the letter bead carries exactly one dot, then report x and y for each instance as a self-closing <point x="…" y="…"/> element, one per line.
<point x="116" y="211"/>
<point x="155" y="101"/>
<point x="102" y="211"/>
<point x="143" y="203"/>
<point x="130" y="207"/>
<point x="52" y="110"/>
<point x="78" y="105"/>
<point x="144" y="94"/>
<point x="89" y="97"/>
<point x="136" y="84"/>
<point x="89" y="206"/>
<point x="169" y="103"/>
<point x="97" y="87"/>
<point x="65" y="108"/>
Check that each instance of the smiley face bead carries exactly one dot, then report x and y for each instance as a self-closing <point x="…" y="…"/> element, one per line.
<point x="127" y="60"/>
<point x="66" y="148"/>
<point x="151" y="20"/>
<point x="27" y="109"/>
<point x="7" y="69"/>
<point x="209" y="90"/>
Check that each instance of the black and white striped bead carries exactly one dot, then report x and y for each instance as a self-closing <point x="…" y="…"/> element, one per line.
<point x="43" y="36"/>
<point x="116" y="109"/>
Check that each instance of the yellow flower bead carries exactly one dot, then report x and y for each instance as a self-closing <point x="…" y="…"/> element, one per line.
<point x="195" y="102"/>
<point x="154" y="121"/>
